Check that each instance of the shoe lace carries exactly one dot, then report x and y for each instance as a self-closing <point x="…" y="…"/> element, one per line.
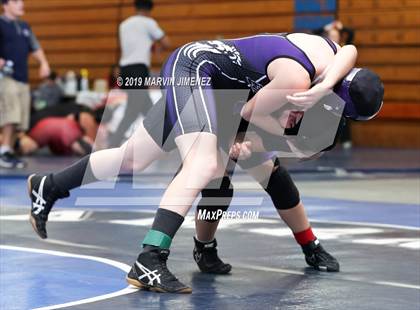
<point x="164" y="268"/>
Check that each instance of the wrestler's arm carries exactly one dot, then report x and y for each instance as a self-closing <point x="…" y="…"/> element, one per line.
<point x="286" y="76"/>
<point x="343" y="62"/>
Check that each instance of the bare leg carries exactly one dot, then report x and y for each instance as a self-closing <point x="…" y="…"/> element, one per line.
<point x="136" y="154"/>
<point x="200" y="166"/>
<point x="8" y="135"/>
<point x="295" y="217"/>
<point x="205" y="230"/>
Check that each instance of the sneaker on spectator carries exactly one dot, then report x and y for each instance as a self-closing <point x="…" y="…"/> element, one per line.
<point x="10" y="161"/>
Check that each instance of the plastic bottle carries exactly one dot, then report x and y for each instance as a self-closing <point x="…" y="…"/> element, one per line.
<point x="84" y="85"/>
<point x="7" y="69"/>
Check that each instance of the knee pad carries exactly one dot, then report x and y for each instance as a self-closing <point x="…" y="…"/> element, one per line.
<point x="216" y="198"/>
<point x="282" y="189"/>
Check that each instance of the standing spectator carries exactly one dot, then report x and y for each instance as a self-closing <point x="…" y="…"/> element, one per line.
<point x="337" y="32"/>
<point x="16" y="43"/>
<point x="114" y="74"/>
<point x="138" y="34"/>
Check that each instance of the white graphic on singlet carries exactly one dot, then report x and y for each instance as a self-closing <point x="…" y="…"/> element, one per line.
<point x="215" y="47"/>
<point x="253" y="85"/>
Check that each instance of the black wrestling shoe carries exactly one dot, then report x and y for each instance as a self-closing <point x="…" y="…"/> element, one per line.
<point x="317" y="257"/>
<point x="150" y="272"/>
<point x="43" y="194"/>
<point x="205" y="255"/>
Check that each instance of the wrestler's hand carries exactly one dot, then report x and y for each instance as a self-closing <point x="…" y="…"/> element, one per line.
<point x="240" y="151"/>
<point x="2" y="63"/>
<point x="310" y="97"/>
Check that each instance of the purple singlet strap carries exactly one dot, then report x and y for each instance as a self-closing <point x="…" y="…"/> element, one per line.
<point x="300" y="56"/>
<point x="331" y="43"/>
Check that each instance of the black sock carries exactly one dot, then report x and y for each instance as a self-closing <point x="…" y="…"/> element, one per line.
<point x="73" y="176"/>
<point x="167" y="222"/>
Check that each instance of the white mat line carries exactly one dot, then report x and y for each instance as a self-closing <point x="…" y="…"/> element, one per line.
<point x="113" y="263"/>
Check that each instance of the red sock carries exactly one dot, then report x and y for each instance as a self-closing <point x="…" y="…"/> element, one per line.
<point x="304" y="237"/>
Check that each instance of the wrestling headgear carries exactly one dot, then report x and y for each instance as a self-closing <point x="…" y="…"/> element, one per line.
<point x="363" y="92"/>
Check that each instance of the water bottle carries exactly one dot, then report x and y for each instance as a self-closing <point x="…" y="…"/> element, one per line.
<point x="70" y="86"/>
<point x="7" y="69"/>
<point x="84" y="82"/>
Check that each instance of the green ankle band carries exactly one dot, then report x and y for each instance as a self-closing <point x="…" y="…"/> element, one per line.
<point x="157" y="238"/>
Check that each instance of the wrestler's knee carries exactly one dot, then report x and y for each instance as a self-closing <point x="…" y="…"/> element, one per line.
<point x="201" y="170"/>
